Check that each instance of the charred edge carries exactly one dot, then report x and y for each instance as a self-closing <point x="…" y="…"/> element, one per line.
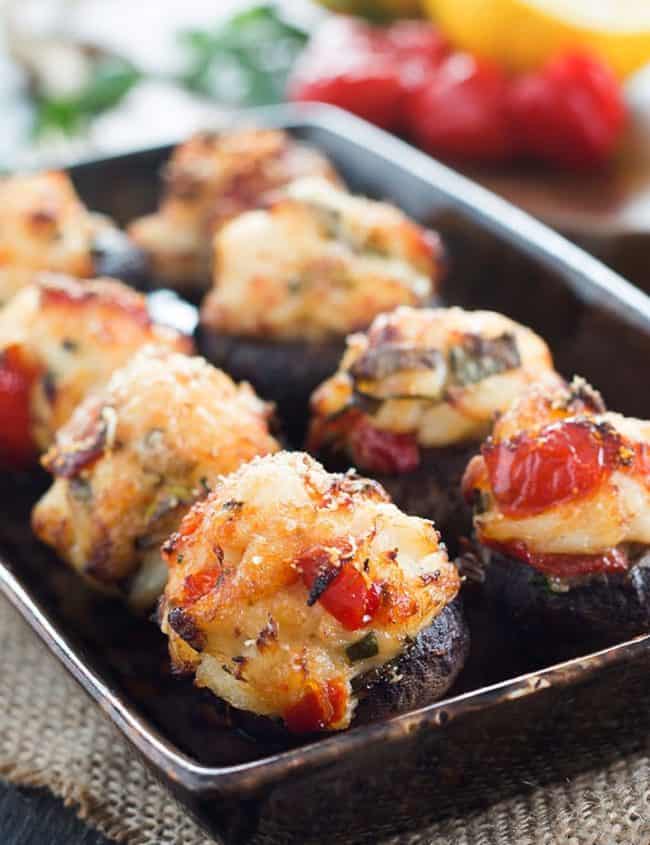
<point x="98" y="565"/>
<point x="322" y="581"/>
<point x="181" y="623"/>
<point x="240" y="664"/>
<point x="326" y="572"/>
<point x="583" y="397"/>
<point x="67" y="462"/>
<point x="171" y="543"/>
<point x="232" y="505"/>
<point x="268" y="634"/>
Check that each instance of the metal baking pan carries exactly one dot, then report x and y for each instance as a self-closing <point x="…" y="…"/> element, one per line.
<point x="509" y="715"/>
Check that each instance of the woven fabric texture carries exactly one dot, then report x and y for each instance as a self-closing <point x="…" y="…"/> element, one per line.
<point x="52" y="735"/>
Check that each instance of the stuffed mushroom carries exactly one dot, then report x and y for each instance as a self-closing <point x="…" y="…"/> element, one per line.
<point x="415" y="395"/>
<point x="293" y="280"/>
<point x="210" y="179"/>
<point x="45" y="226"/>
<point x="135" y="456"/>
<point x="59" y="338"/>
<point x="561" y="498"/>
<point x="309" y="599"/>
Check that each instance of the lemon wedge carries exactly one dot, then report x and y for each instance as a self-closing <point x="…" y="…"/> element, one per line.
<point x="522" y="34"/>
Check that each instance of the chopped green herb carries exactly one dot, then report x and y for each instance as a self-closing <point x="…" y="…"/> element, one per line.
<point x="111" y="80"/>
<point x="363" y="648"/>
<point x="246" y="60"/>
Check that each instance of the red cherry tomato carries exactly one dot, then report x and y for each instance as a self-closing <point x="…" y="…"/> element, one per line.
<point x="347" y="64"/>
<point x="320" y="706"/>
<point x="418" y="48"/>
<point x="383" y="451"/>
<point x="460" y="110"/>
<point x="567" y="566"/>
<point x="17" y="375"/>
<point x="570" y="113"/>
<point x="565" y="461"/>
<point x="346" y="595"/>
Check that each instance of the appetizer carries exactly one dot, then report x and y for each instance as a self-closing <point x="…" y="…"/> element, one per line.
<point x="561" y="498"/>
<point x="45" y="226"/>
<point x="60" y="337"/>
<point x="414" y="397"/>
<point x="302" y="596"/>
<point x="292" y="281"/>
<point x="135" y="456"/>
<point x="210" y="179"/>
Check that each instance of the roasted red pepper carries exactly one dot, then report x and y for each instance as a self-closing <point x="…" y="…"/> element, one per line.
<point x="198" y="584"/>
<point x="459" y="110"/>
<point x="321" y="705"/>
<point x="566" y="461"/>
<point x="347" y="64"/>
<point x="380" y="451"/>
<point x="566" y="565"/>
<point x="17" y="376"/>
<point x="339" y="587"/>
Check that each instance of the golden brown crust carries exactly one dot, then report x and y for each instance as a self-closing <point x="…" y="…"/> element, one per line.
<point x="210" y="179"/>
<point x="239" y="612"/>
<point x="134" y="457"/>
<point x="43" y="226"/>
<point x="75" y="334"/>
<point x="318" y="264"/>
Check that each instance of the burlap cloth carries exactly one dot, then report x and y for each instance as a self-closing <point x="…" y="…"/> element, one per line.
<point x="52" y="735"/>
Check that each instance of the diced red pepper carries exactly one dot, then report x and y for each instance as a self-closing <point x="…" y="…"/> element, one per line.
<point x="198" y="584"/>
<point x="321" y="705"/>
<point x="17" y="376"/>
<point x="346" y="595"/>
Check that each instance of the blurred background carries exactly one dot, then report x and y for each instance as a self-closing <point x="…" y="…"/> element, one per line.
<point x="545" y="101"/>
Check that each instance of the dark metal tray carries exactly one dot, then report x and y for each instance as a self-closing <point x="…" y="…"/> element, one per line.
<point x="509" y="714"/>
